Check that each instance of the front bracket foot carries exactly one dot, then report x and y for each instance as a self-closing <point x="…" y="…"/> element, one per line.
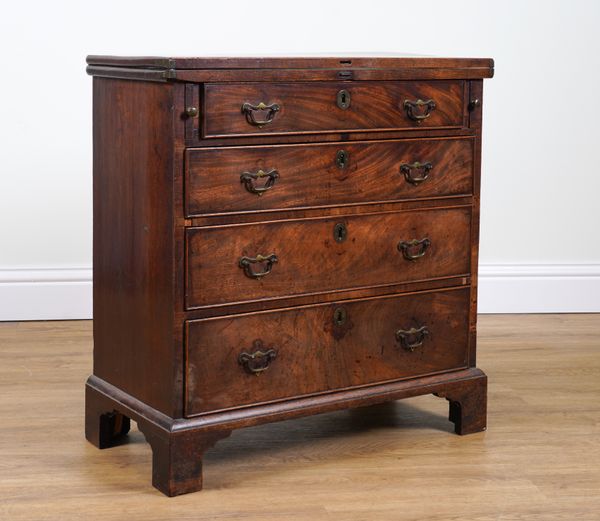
<point x="467" y="404"/>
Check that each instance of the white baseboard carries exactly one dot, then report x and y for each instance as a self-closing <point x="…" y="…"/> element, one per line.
<point x="45" y="294"/>
<point x="66" y="293"/>
<point x="539" y="288"/>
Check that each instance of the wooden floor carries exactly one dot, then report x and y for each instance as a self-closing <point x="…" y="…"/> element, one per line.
<point x="539" y="459"/>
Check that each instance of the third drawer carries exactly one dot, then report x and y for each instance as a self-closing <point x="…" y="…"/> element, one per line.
<point x="280" y="259"/>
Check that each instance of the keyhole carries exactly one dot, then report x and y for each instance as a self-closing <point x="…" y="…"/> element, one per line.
<point x="343" y="99"/>
<point x="341" y="158"/>
<point x="340" y="232"/>
<point x="339" y="316"/>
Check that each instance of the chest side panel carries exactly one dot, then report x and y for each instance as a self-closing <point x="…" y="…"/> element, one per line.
<point x="133" y="239"/>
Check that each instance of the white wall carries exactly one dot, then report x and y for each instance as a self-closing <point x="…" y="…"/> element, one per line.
<point x="540" y="247"/>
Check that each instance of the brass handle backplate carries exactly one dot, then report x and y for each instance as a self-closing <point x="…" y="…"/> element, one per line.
<point x="250" y="111"/>
<point x="248" y="178"/>
<point x="408" y="169"/>
<point x="257" y="361"/>
<point x="412" y="338"/>
<point x="420" y="109"/>
<point x="246" y="264"/>
<point x="414" y="249"/>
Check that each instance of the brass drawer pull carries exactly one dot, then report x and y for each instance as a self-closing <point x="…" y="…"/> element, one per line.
<point x="258" y="361"/>
<point x="414" y="249"/>
<point x="407" y="170"/>
<point x="419" y="110"/>
<point x="247" y="262"/>
<point x="249" y="111"/>
<point x="412" y="338"/>
<point x="248" y="179"/>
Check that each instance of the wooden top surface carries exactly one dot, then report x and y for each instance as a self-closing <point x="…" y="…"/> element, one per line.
<point x="289" y="68"/>
<point x="380" y="61"/>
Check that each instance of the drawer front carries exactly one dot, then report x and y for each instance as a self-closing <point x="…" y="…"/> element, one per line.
<point x="282" y="108"/>
<point x="259" y="178"/>
<point x="268" y="356"/>
<point x="306" y="256"/>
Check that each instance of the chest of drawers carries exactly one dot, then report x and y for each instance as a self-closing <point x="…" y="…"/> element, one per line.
<point x="279" y="237"/>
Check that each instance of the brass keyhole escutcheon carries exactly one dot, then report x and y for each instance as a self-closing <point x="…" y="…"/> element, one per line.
<point x="339" y="316"/>
<point x="340" y="232"/>
<point x="341" y="159"/>
<point x="343" y="99"/>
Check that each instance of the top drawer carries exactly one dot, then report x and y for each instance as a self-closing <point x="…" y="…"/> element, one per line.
<point x="295" y="108"/>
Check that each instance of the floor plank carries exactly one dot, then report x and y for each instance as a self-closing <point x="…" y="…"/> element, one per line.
<point x="539" y="459"/>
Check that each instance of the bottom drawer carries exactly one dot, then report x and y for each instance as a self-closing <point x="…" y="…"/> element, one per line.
<point x="273" y="355"/>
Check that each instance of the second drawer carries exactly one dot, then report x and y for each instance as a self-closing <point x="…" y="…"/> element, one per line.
<point x="280" y="259"/>
<point x="263" y="178"/>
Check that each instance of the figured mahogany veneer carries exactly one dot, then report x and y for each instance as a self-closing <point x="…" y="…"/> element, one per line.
<point x="314" y="175"/>
<point x="340" y="345"/>
<point x="312" y="259"/>
<point x="314" y="107"/>
<point x="278" y="237"/>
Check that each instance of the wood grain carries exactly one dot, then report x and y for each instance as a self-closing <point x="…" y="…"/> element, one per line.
<point x="315" y="68"/>
<point x="475" y="122"/>
<point x="308" y="175"/>
<point x="193" y="132"/>
<point x="330" y="211"/>
<point x="158" y="267"/>
<point x="315" y="354"/>
<point x="539" y="460"/>
<point x="318" y="298"/>
<point x="312" y="107"/>
<point x="310" y="260"/>
<point x="318" y="60"/>
<point x="134" y="240"/>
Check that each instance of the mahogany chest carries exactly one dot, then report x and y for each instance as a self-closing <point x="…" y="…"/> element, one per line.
<point x="279" y="237"/>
